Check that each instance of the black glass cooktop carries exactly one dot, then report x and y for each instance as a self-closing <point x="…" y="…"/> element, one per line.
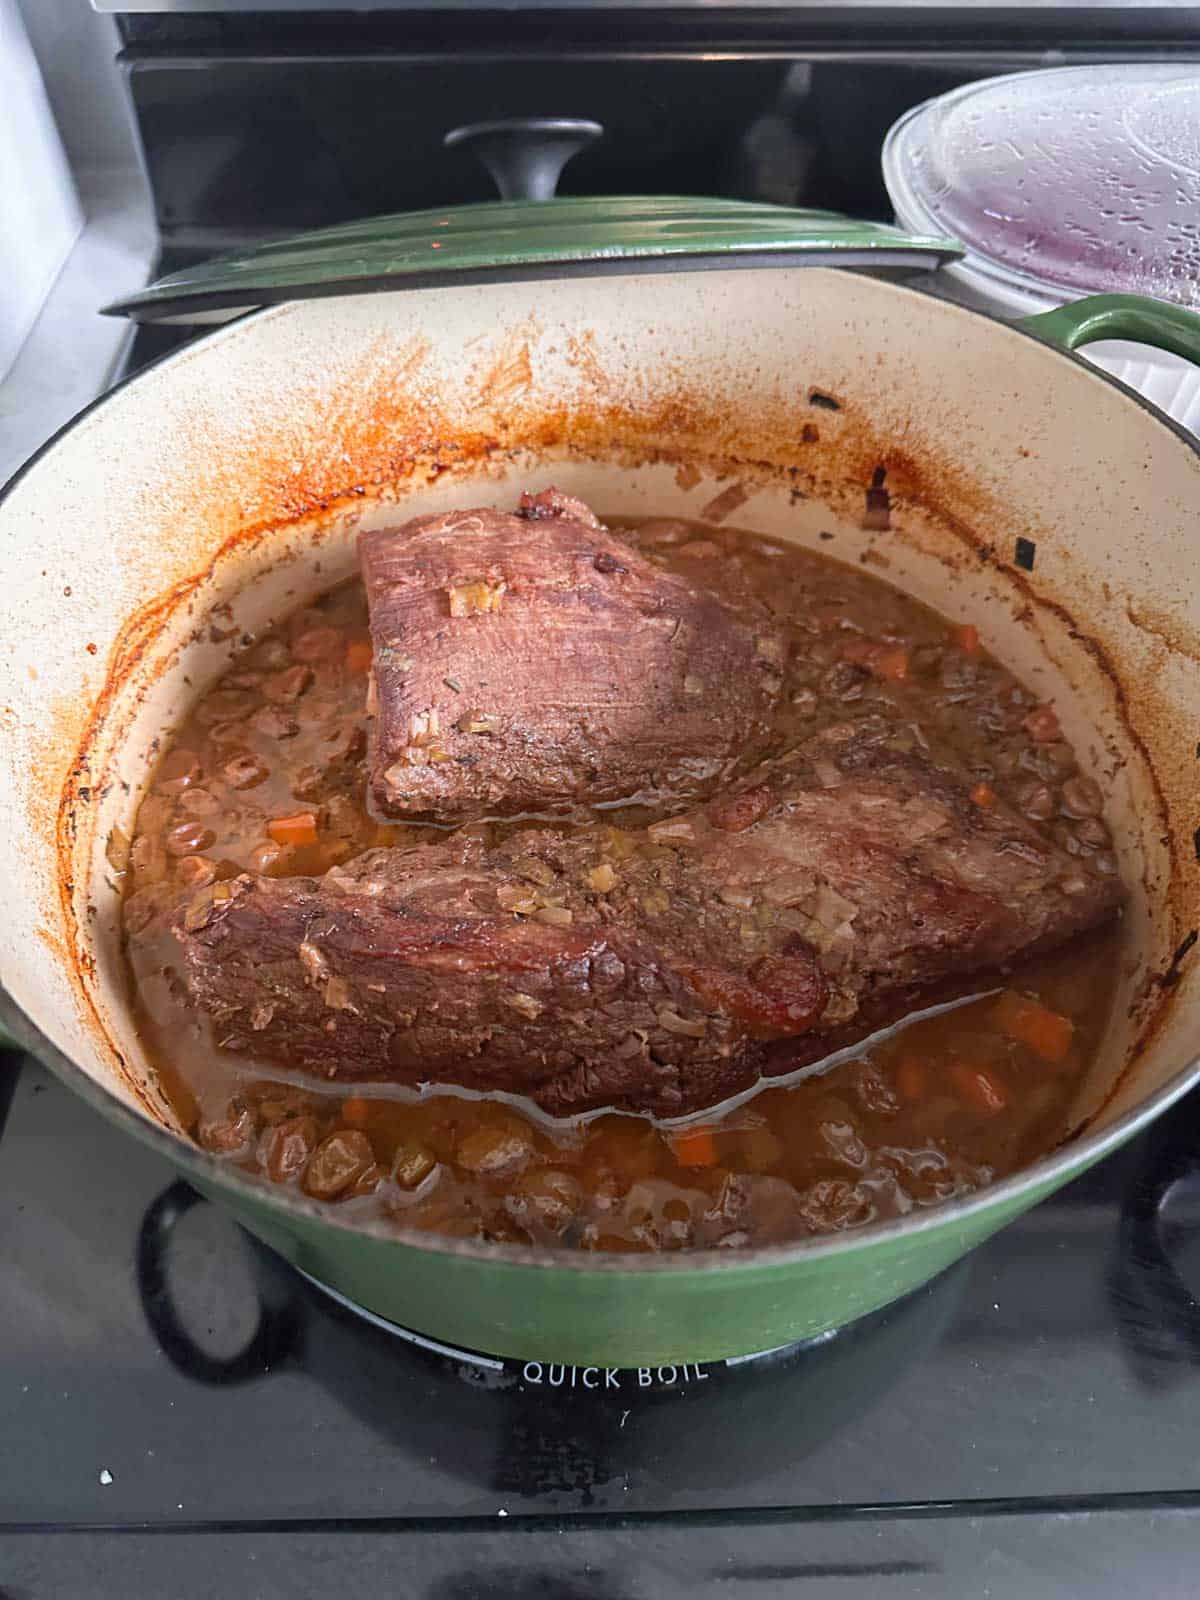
<point x="182" y="1415"/>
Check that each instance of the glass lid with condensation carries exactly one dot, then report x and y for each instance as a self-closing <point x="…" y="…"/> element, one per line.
<point x="520" y="239"/>
<point x="1083" y="179"/>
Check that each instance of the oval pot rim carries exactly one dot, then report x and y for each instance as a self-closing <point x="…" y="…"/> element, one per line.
<point x="293" y="1207"/>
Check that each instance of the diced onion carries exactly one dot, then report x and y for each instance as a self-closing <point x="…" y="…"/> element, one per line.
<point x="674" y="828"/>
<point x="538" y="871"/>
<point x="558" y="916"/>
<point x="337" y="995"/>
<point x="117" y="849"/>
<point x="515" y="897"/>
<point x="525" y="1004"/>
<point x="424" y="726"/>
<point x="691" y="1028"/>
<point x="313" y="961"/>
<point x="476" y="598"/>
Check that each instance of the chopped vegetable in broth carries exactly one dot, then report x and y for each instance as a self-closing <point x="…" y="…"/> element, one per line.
<point x="267" y="776"/>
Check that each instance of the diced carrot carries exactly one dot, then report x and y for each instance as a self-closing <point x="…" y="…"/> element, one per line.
<point x="893" y="663"/>
<point x="1042" y="725"/>
<point x="981" y="1088"/>
<point x="356" y="1112"/>
<point x="910" y="1079"/>
<point x="694" y="1147"/>
<point x="984" y="796"/>
<point x="295" y="830"/>
<point x="966" y="638"/>
<point x="884" y="660"/>
<point x="359" y="655"/>
<point x="1034" y="1024"/>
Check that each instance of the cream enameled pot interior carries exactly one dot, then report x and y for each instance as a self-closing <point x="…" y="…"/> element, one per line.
<point x="222" y="488"/>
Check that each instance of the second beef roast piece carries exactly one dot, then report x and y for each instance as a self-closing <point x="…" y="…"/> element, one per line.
<point x="658" y="970"/>
<point x="535" y="662"/>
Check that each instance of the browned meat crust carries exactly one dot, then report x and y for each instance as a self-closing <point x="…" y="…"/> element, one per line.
<point x="532" y="663"/>
<point x="660" y="970"/>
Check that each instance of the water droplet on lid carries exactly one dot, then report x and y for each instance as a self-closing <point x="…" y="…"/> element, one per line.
<point x="1036" y="172"/>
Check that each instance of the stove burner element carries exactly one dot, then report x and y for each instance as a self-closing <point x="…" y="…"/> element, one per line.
<point x="521" y="1428"/>
<point x="279" y="1330"/>
<point x="557" y="1375"/>
<point x="421" y="1341"/>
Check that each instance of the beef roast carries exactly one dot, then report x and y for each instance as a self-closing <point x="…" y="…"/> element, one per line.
<point x="657" y="970"/>
<point x="534" y="662"/>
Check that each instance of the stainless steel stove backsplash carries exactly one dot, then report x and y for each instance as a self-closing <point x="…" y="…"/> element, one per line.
<point x="238" y="150"/>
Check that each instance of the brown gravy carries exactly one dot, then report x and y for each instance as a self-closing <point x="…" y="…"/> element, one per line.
<point x="938" y="1108"/>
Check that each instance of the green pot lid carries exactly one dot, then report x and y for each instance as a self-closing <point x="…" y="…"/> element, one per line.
<point x="519" y="239"/>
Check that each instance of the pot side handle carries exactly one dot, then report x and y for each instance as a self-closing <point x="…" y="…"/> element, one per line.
<point x="1120" y="316"/>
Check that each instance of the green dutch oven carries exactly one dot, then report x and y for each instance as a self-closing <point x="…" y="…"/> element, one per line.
<point x="233" y="470"/>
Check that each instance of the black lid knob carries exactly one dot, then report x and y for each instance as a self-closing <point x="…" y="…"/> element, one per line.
<point x="526" y="155"/>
